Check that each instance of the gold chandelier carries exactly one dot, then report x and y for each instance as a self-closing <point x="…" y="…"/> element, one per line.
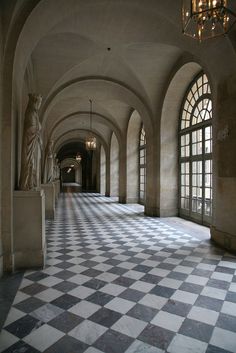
<point x="203" y="19"/>
<point x="90" y="142"/>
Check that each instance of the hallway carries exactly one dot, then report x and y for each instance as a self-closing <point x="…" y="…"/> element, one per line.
<point x="117" y="281"/>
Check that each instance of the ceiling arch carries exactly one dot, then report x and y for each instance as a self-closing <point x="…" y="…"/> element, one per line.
<point x="78" y="136"/>
<point x="100" y="89"/>
<point x="90" y="49"/>
<point x="103" y="119"/>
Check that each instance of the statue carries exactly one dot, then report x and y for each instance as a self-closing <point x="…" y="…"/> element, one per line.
<point x="56" y="168"/>
<point x="49" y="164"/>
<point x="31" y="146"/>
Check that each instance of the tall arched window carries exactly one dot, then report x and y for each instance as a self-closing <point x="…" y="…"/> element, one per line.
<point x="142" y="165"/>
<point x="195" y="140"/>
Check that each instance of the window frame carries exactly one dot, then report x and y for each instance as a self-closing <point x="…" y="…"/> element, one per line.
<point x="142" y="166"/>
<point x="196" y="216"/>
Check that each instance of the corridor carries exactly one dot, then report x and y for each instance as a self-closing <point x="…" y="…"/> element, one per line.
<point x="117" y="281"/>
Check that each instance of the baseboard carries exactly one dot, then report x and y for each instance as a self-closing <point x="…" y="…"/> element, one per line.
<point x="132" y="200"/>
<point x="224" y="239"/>
<point x="29" y="259"/>
<point x="49" y="214"/>
<point x="169" y="212"/>
<point x="152" y="211"/>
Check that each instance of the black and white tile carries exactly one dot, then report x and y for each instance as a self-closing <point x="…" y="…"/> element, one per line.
<point x="119" y="282"/>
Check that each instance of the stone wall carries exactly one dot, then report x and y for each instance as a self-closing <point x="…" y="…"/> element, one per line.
<point x="1" y="250"/>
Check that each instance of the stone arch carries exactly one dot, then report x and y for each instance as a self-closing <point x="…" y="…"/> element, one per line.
<point x="103" y="118"/>
<point x="73" y="135"/>
<point x="169" y="138"/>
<point x="114" y="89"/>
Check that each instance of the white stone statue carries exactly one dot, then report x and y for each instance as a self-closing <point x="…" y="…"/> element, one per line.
<point x="49" y="164"/>
<point x="31" y="146"/>
<point x="56" y="168"/>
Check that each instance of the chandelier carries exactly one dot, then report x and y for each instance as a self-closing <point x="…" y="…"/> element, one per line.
<point x="78" y="158"/>
<point x="90" y="141"/>
<point x="203" y="19"/>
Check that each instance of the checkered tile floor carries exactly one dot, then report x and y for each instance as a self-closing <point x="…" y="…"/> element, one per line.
<point x="119" y="282"/>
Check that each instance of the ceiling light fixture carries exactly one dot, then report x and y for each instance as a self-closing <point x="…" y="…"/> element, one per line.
<point x="203" y="19"/>
<point x="90" y="141"/>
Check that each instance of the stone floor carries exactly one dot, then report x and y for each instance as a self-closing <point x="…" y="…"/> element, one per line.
<point x="119" y="282"/>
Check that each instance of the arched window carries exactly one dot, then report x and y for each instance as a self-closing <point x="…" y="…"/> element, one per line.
<point x="142" y="165"/>
<point x="195" y="156"/>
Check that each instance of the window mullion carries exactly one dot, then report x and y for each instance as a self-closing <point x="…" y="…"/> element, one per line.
<point x="203" y="174"/>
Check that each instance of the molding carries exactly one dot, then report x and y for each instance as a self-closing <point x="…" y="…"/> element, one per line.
<point x="122" y="199"/>
<point x="29" y="259"/>
<point x="151" y="211"/>
<point x="168" y="212"/>
<point x="132" y="200"/>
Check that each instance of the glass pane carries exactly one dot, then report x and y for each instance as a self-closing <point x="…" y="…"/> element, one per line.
<point x="208" y="130"/>
<point x="199" y="148"/>
<point x="199" y="192"/>
<point x="187" y="191"/>
<point x="199" y="206"/>
<point x="194" y="192"/>
<point x="208" y="145"/>
<point x="142" y="160"/>
<point x="187" y="151"/>
<point x="208" y="166"/>
<point x="207" y="193"/>
<point x="194" y="205"/>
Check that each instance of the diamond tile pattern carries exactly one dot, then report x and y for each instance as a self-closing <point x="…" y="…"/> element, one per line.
<point x="119" y="282"/>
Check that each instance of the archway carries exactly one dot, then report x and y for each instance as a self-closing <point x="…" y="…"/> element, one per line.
<point x="169" y="138"/>
<point x="133" y="157"/>
<point x="76" y="170"/>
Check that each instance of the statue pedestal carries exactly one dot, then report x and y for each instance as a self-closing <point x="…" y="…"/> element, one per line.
<point x="49" y="191"/>
<point x="29" y="246"/>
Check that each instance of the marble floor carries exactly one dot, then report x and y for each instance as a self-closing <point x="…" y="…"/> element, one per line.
<point x="117" y="281"/>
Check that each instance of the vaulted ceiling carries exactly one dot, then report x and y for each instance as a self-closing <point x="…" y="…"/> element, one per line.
<point x="119" y="53"/>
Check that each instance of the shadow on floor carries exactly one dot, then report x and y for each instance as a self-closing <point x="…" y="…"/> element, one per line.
<point x="9" y="285"/>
